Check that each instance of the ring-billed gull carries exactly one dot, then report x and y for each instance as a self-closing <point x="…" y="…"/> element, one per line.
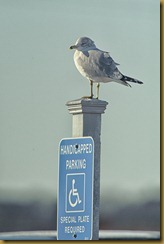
<point x="97" y="65"/>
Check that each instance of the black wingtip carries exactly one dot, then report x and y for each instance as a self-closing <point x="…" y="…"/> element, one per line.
<point x="130" y="79"/>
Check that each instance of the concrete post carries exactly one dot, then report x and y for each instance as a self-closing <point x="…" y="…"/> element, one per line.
<point x="87" y="122"/>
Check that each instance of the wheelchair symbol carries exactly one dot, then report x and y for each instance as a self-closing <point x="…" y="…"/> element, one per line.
<point x="74" y="198"/>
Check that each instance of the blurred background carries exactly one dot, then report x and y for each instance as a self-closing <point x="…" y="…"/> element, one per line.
<point x="38" y="77"/>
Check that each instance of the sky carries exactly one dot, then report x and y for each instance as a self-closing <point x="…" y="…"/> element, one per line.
<point x="38" y="77"/>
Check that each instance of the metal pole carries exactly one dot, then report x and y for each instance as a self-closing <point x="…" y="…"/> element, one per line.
<point x="86" y="121"/>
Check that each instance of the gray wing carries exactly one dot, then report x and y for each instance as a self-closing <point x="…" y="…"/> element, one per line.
<point x="109" y="66"/>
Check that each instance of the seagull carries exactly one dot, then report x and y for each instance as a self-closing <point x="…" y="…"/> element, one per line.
<point x="97" y="66"/>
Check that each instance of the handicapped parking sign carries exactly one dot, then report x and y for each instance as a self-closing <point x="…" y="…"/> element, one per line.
<point x="75" y="189"/>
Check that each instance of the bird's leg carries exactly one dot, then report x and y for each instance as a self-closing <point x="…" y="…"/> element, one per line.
<point x="91" y="84"/>
<point x="98" y="86"/>
<point x="91" y="96"/>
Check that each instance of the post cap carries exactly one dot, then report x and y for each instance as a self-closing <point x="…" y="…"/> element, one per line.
<point x="86" y="105"/>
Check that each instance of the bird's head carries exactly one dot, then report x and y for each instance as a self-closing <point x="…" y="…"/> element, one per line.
<point x="83" y="43"/>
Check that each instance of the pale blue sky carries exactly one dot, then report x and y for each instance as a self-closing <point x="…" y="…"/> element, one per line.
<point x="38" y="76"/>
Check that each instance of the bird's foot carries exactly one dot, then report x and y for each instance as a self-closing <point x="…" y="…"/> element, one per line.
<point x="89" y="97"/>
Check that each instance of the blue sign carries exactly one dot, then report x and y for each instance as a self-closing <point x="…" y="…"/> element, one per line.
<point x="75" y="189"/>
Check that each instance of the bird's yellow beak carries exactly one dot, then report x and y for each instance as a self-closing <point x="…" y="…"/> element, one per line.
<point x="73" y="47"/>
